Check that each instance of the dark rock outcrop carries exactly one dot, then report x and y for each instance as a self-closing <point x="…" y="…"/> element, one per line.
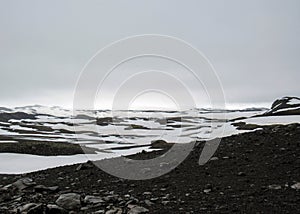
<point x="5" y="117"/>
<point x="285" y="106"/>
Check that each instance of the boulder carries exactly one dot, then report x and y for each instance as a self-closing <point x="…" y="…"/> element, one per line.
<point x="5" y="117"/>
<point x="69" y="201"/>
<point x="23" y="183"/>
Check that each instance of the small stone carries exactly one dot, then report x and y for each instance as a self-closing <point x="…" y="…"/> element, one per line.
<point x="27" y="207"/>
<point x="114" y="211"/>
<point x="166" y="196"/>
<point x="208" y="186"/>
<point x="165" y="202"/>
<point x="54" y="209"/>
<point x="147" y="193"/>
<point x="296" y="186"/>
<point x="89" y="199"/>
<point x="275" y="187"/>
<point x="23" y="183"/>
<point x="31" y="208"/>
<point x="241" y="174"/>
<point x="138" y="210"/>
<point x="86" y="165"/>
<point x="36" y="209"/>
<point x="69" y="201"/>
<point x="214" y="158"/>
<point x="130" y="206"/>
<point x="160" y="144"/>
<point x="41" y="188"/>
<point x="148" y="203"/>
<point x="84" y="208"/>
<point x="18" y="199"/>
<point x="207" y="190"/>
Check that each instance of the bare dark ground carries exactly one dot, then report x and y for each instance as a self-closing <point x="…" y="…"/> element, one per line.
<point x="253" y="173"/>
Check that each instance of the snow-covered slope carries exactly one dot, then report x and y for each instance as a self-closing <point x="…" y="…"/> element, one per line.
<point x="100" y="128"/>
<point x="107" y="129"/>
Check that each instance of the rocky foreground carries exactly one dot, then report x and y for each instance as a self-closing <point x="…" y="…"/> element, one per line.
<point x="256" y="172"/>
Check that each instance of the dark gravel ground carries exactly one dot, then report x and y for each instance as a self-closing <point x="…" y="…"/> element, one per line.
<point x="250" y="173"/>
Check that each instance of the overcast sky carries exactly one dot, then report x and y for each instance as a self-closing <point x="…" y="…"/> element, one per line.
<point x="254" y="45"/>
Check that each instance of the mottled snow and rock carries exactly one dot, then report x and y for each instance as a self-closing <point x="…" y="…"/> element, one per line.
<point x="285" y="106"/>
<point x="255" y="172"/>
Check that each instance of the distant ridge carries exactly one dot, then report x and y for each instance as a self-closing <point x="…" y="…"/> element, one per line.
<point x="285" y="106"/>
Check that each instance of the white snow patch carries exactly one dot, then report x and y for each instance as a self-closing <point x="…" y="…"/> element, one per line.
<point x="272" y="120"/>
<point x="8" y="141"/>
<point x="14" y="163"/>
<point x="294" y="102"/>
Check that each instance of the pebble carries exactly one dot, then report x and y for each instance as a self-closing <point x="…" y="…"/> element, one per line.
<point x="241" y="174"/>
<point x="138" y="210"/>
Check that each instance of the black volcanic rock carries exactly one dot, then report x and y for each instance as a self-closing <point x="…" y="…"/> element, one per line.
<point x="5" y="117"/>
<point x="160" y="144"/>
<point x="5" y="109"/>
<point x="285" y="106"/>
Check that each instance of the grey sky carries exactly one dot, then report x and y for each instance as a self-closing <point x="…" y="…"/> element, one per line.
<point x="254" y="45"/>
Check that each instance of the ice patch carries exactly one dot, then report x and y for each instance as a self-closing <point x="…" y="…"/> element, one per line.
<point x="14" y="163"/>
<point x="272" y="120"/>
<point x="294" y="102"/>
